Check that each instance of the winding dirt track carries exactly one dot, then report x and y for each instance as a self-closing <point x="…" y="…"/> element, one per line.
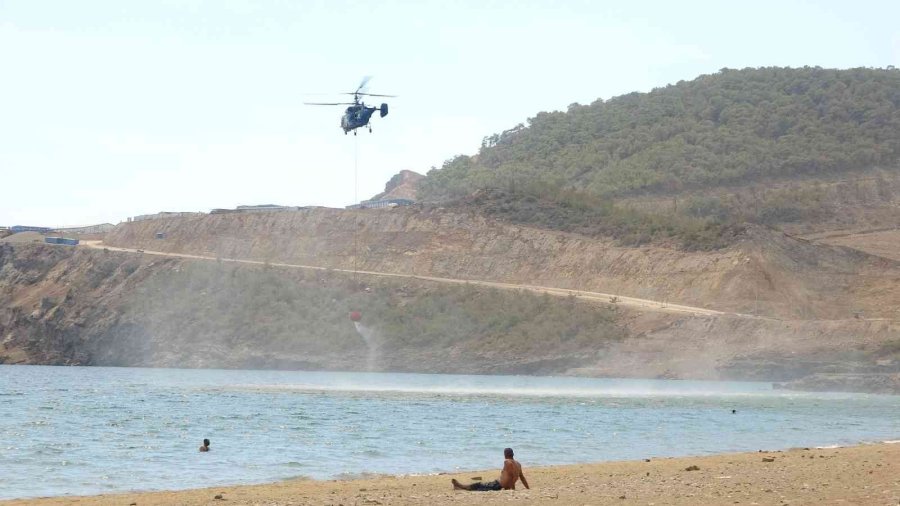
<point x="606" y="298"/>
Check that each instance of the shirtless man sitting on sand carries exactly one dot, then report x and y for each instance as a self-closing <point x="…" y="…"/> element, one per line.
<point x="511" y="473"/>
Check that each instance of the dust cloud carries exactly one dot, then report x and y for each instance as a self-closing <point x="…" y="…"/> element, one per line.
<point x="370" y="337"/>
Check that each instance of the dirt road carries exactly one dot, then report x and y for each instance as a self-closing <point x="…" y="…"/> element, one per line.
<point x="606" y="298"/>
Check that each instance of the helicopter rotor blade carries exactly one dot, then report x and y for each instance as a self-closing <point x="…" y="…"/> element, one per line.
<point x="328" y="103"/>
<point x="366" y="94"/>
<point x="363" y="83"/>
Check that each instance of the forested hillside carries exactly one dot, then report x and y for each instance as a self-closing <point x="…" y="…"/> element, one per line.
<point x="726" y="131"/>
<point x="732" y="126"/>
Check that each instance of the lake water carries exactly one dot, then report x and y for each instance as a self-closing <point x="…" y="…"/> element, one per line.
<point x="80" y="430"/>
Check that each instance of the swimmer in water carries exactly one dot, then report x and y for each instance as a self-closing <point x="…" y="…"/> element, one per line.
<point x="205" y="447"/>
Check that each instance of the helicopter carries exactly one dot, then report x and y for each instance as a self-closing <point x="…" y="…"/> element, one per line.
<point x="358" y="114"/>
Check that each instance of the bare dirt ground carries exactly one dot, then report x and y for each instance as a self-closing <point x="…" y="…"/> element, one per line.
<point x="855" y="475"/>
<point x="606" y="298"/>
<point x="679" y="341"/>
<point x="883" y="243"/>
<point x="765" y="273"/>
<point x="23" y="237"/>
<point x="86" y="306"/>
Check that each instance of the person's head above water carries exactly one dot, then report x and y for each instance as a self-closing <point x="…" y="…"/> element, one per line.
<point x="508" y="453"/>
<point x="206" y="442"/>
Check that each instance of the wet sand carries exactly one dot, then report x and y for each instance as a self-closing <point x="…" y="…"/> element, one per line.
<point x="868" y="474"/>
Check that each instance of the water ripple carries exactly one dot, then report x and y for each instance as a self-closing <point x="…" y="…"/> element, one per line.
<point x="90" y="430"/>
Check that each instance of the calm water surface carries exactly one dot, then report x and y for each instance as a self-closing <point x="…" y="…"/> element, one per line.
<point x="79" y="430"/>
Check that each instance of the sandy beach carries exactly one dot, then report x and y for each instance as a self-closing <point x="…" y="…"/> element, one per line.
<point x="868" y="474"/>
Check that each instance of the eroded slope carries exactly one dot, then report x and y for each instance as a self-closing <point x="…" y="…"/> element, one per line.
<point x="765" y="272"/>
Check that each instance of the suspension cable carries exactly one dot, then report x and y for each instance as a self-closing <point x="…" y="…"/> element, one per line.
<point x="356" y="202"/>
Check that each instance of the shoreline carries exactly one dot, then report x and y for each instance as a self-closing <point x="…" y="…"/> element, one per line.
<point x="861" y="474"/>
<point x="836" y="383"/>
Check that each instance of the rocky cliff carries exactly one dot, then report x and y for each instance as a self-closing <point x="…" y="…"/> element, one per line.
<point x="402" y="186"/>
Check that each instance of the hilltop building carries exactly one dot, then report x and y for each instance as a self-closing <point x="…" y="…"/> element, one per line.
<point x="28" y="228"/>
<point x="263" y="208"/>
<point x="381" y="204"/>
<point x="399" y="191"/>
<point x="266" y="207"/>
<point x="101" y="228"/>
<point x="160" y="215"/>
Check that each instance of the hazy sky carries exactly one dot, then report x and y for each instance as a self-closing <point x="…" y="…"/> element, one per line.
<point x="114" y="108"/>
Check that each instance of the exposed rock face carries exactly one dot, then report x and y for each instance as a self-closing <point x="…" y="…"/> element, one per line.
<point x="401" y="186"/>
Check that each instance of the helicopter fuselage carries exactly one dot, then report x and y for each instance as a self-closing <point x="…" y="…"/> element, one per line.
<point x="356" y="116"/>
